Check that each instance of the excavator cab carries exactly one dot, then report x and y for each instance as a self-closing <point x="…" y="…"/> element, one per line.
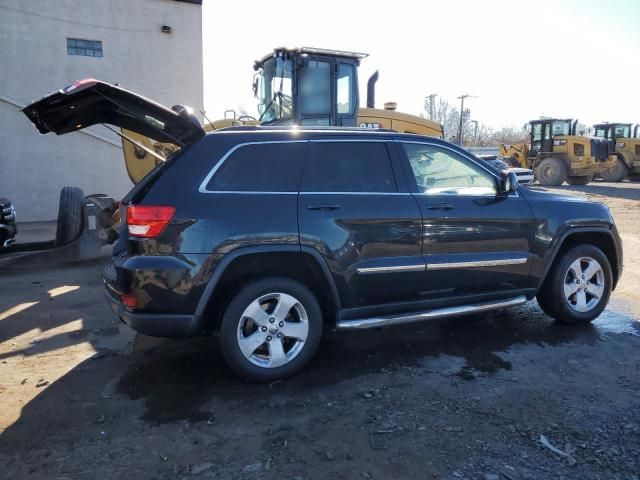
<point x="611" y="132"/>
<point x="543" y="131"/>
<point x="308" y="87"/>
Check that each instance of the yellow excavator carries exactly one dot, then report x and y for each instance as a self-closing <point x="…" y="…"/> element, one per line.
<point x="296" y="86"/>
<point x="623" y="141"/>
<point x="557" y="155"/>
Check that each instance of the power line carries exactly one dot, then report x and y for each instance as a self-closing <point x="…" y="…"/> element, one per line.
<point x="64" y="20"/>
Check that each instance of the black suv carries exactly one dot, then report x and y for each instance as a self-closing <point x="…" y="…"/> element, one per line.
<point x="265" y="235"/>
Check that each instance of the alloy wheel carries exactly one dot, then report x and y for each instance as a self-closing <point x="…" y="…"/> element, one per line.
<point x="584" y="284"/>
<point x="272" y="330"/>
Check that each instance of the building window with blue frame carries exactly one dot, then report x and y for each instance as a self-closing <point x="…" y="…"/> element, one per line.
<point x="86" y="48"/>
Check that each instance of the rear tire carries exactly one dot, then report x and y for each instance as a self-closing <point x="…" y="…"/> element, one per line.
<point x="551" y="172"/>
<point x="581" y="180"/>
<point x="578" y="286"/>
<point x="616" y="173"/>
<point x="271" y="329"/>
<point x="70" y="215"/>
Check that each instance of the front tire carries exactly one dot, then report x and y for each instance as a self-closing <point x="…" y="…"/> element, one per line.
<point x="578" y="286"/>
<point x="616" y="173"/>
<point x="271" y="329"/>
<point x="551" y="172"/>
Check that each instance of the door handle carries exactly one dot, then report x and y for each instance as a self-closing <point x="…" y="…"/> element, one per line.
<point x="324" y="207"/>
<point x="440" y="206"/>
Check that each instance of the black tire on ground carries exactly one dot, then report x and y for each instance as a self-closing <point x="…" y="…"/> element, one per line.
<point x="230" y="330"/>
<point x="551" y="296"/>
<point x="551" y="172"/>
<point x="70" y="215"/>
<point x="581" y="180"/>
<point x="634" y="177"/>
<point x="616" y="173"/>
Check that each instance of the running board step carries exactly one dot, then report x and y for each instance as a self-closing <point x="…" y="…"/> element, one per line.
<point x="445" y="312"/>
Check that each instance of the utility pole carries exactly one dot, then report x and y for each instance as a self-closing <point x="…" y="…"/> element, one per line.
<point x="461" y="98"/>
<point x="432" y="105"/>
<point x="475" y="132"/>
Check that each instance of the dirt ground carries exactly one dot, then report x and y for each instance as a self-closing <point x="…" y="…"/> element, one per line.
<point x="484" y="397"/>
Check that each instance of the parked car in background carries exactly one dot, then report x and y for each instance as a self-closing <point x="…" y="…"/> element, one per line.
<point x="524" y="175"/>
<point x="8" y="227"/>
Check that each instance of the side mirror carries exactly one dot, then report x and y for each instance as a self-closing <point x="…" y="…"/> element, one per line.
<point x="509" y="183"/>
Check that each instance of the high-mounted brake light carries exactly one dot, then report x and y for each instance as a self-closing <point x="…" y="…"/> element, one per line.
<point x="79" y="83"/>
<point x="148" y="221"/>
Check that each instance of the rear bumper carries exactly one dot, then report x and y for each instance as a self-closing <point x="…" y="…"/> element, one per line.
<point x="525" y="178"/>
<point x="153" y="324"/>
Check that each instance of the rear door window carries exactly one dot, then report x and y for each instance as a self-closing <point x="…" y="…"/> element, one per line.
<point x="261" y="167"/>
<point x="343" y="167"/>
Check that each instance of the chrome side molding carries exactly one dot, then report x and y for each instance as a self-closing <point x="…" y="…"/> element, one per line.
<point x="420" y="267"/>
<point x="444" y="312"/>
<point x="478" y="263"/>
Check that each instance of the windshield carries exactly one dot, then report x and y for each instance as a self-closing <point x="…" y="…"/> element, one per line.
<point x="274" y="90"/>
<point x="561" y="127"/>
<point x="619" y="131"/>
<point x="623" y="131"/>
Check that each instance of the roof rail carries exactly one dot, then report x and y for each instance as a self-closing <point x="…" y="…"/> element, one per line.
<point x="271" y="128"/>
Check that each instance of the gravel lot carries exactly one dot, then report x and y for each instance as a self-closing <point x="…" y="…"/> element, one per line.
<point x="505" y="395"/>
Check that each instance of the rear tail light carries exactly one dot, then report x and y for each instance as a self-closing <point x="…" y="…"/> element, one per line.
<point x="148" y="221"/>
<point x="129" y="301"/>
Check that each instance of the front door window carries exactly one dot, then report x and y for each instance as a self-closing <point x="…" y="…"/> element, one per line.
<point x="438" y="171"/>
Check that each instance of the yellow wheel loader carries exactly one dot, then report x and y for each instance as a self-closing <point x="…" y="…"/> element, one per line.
<point x="623" y="142"/>
<point x="556" y="154"/>
<point x="299" y="86"/>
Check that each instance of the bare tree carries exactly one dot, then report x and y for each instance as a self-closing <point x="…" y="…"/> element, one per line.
<point x="510" y="135"/>
<point x="439" y="110"/>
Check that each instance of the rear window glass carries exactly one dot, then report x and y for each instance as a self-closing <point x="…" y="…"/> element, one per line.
<point x="349" y="167"/>
<point x="264" y="167"/>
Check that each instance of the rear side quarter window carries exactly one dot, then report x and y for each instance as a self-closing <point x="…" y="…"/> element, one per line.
<point x="260" y="168"/>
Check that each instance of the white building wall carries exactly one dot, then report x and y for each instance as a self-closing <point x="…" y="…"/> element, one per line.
<point x="34" y="61"/>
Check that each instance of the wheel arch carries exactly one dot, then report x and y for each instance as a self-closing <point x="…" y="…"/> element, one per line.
<point x="600" y="237"/>
<point x="246" y="264"/>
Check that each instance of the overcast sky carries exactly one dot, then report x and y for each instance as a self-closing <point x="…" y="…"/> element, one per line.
<point x="522" y="59"/>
